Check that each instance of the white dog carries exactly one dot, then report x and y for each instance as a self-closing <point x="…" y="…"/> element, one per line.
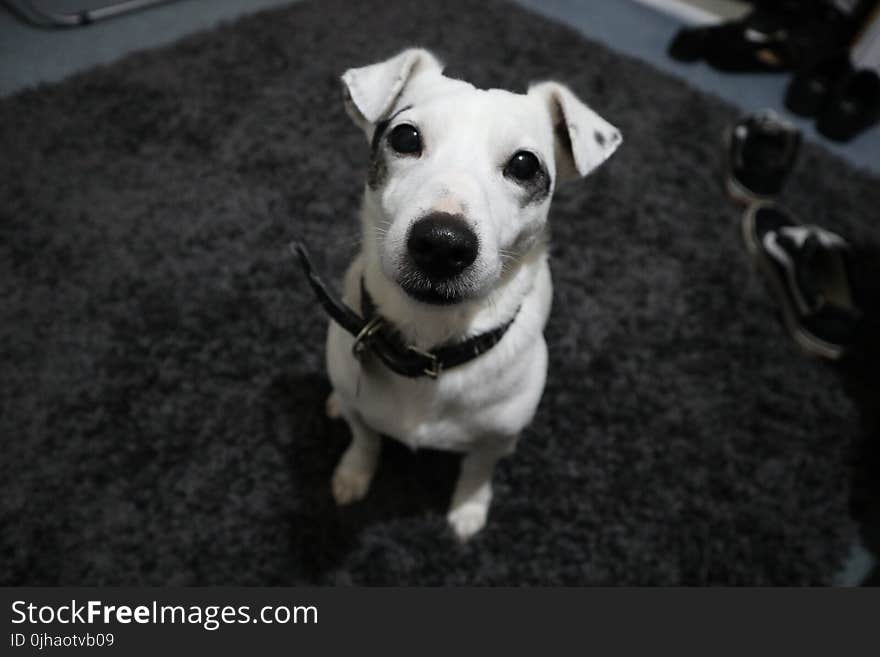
<point x="440" y="344"/>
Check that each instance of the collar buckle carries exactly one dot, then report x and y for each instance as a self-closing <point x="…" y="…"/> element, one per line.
<point x="363" y="337"/>
<point x="433" y="370"/>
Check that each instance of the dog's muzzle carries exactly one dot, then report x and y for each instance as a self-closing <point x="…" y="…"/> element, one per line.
<point x="440" y="248"/>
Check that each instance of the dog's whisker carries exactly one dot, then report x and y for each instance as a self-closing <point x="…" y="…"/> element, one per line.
<point x="350" y="241"/>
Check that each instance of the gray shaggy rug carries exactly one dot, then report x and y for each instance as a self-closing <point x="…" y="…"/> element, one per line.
<point x="161" y="407"/>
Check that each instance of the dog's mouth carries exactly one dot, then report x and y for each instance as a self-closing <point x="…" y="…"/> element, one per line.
<point x="431" y="292"/>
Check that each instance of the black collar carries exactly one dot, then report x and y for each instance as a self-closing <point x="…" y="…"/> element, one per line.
<point x="375" y="334"/>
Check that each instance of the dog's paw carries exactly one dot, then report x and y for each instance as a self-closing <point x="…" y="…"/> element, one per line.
<point x="349" y="485"/>
<point x="467" y="519"/>
<point x="332" y="406"/>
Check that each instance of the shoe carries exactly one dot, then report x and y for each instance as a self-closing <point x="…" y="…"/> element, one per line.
<point x="854" y="106"/>
<point x="810" y="87"/>
<point x="691" y="44"/>
<point x="761" y="150"/>
<point x="808" y="272"/>
<point x="780" y="38"/>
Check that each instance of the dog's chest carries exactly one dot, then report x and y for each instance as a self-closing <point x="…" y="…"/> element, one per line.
<point x="421" y="412"/>
<point x="466" y="405"/>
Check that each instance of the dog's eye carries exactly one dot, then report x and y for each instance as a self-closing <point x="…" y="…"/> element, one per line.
<point x="405" y="139"/>
<point x="522" y="166"/>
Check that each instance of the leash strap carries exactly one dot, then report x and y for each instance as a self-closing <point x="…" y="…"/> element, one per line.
<point x="338" y="311"/>
<point x="379" y="337"/>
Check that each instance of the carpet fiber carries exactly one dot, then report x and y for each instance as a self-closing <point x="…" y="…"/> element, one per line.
<point x="161" y="408"/>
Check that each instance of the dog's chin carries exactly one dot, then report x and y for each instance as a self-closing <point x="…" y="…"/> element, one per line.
<point x="442" y="294"/>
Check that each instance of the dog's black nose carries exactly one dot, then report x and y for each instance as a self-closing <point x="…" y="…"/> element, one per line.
<point x="441" y="245"/>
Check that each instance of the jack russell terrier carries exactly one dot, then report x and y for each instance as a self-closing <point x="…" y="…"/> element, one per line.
<point x="439" y="342"/>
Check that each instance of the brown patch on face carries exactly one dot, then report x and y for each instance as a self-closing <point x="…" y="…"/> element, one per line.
<point x="378" y="171"/>
<point x="449" y="205"/>
<point x="537" y="189"/>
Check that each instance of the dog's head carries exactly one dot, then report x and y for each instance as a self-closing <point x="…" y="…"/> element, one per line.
<point x="460" y="179"/>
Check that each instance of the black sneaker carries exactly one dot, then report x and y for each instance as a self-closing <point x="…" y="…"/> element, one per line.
<point x="691" y="44"/>
<point x="808" y="271"/>
<point x="781" y="36"/>
<point x="811" y="87"/>
<point x="761" y="152"/>
<point x="854" y="106"/>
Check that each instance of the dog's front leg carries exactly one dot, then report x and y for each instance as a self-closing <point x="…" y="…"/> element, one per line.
<point x="356" y="468"/>
<point x="473" y="490"/>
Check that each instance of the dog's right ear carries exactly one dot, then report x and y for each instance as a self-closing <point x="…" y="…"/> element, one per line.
<point x="371" y="91"/>
<point x="583" y="139"/>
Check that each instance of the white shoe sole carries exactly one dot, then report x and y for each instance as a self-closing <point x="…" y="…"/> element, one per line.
<point x="808" y="342"/>
<point x="734" y="189"/>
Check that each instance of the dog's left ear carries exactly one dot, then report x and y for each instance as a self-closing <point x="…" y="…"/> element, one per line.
<point x="583" y="140"/>
<point x="371" y="91"/>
